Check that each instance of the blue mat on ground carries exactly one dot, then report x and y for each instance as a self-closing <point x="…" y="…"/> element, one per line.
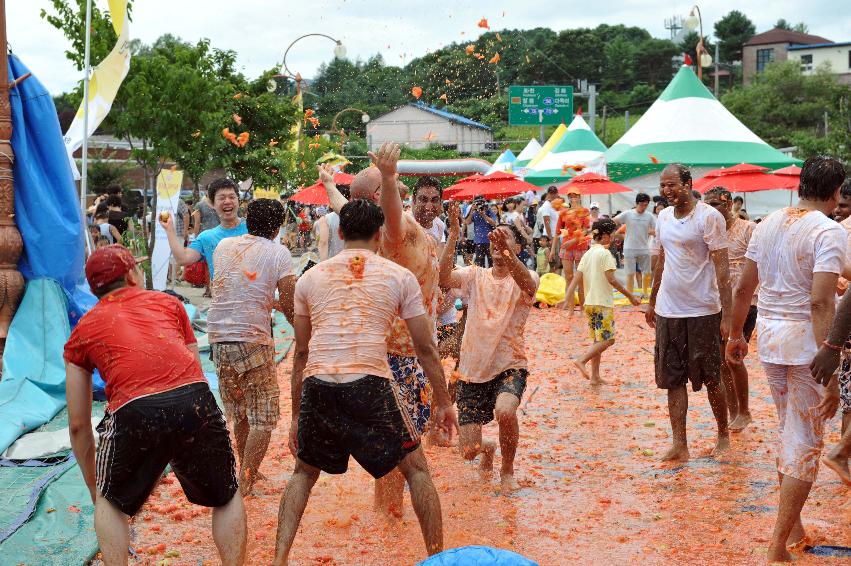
<point x="477" y="556"/>
<point x="32" y="390"/>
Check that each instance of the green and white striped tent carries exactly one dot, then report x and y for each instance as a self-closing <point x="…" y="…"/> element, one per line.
<point x="579" y="146"/>
<point x="528" y="154"/>
<point x="688" y="125"/>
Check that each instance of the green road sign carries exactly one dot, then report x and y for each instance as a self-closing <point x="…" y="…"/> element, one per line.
<point x="533" y="105"/>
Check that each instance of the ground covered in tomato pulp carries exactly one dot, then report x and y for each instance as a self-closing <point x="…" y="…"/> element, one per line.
<point x="592" y="488"/>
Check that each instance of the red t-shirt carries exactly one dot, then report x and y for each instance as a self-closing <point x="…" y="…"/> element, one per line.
<point x="137" y="340"/>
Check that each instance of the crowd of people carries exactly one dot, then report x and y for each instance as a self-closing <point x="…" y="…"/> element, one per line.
<point x="395" y="291"/>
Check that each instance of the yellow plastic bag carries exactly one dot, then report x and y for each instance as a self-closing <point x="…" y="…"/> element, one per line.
<point x="551" y="289"/>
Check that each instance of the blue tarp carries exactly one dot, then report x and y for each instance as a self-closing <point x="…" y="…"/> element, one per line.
<point x="47" y="208"/>
<point x="33" y="387"/>
<point x="477" y="556"/>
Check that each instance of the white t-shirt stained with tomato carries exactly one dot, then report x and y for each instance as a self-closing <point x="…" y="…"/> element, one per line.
<point x="497" y="310"/>
<point x="352" y="300"/>
<point x="689" y="286"/>
<point x="788" y="247"/>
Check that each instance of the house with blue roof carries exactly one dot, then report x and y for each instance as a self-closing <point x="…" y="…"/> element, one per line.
<point x="419" y="125"/>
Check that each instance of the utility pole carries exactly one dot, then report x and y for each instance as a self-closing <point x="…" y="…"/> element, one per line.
<point x="541" y="132"/>
<point x="592" y="106"/>
<point x="626" y="121"/>
<point x="604" y="122"/>
<point x="717" y="41"/>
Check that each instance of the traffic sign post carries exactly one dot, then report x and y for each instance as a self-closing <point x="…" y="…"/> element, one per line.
<point x="539" y="105"/>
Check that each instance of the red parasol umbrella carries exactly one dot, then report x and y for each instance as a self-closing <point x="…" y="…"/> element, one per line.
<point x="791" y="171"/>
<point x="735" y="169"/>
<point x="495" y="185"/>
<point x="592" y="184"/>
<point x="460" y="185"/>
<point x="746" y="182"/>
<point x="315" y="194"/>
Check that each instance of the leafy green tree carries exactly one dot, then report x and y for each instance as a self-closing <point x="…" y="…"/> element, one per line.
<point x="69" y="16"/>
<point x="733" y="31"/>
<point x="783" y="105"/>
<point x="800" y="27"/>
<point x="265" y="119"/>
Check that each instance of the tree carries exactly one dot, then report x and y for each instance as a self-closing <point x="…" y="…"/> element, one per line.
<point x="800" y="27"/>
<point x="69" y="16"/>
<point x="784" y="106"/>
<point x="265" y="119"/>
<point x="733" y="31"/>
<point x="171" y="91"/>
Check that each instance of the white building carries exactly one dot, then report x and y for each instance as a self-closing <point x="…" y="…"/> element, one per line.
<point x="418" y="125"/>
<point x="837" y="55"/>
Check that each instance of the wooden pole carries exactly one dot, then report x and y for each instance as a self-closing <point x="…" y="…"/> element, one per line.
<point x="11" y="244"/>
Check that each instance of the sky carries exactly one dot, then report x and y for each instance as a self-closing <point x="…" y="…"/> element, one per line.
<point x="260" y="30"/>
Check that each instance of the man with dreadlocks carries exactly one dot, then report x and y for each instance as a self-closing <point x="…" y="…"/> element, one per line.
<point x="493" y="353"/>
<point x="690" y="305"/>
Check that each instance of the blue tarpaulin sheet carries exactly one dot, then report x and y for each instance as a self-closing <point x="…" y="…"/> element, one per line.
<point x="47" y="208"/>
<point x="48" y="215"/>
<point x="33" y="387"/>
<point x="477" y="556"/>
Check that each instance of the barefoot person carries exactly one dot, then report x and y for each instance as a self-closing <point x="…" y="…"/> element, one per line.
<point x="596" y="273"/>
<point x="735" y="377"/>
<point x="796" y="255"/>
<point x="691" y="285"/>
<point x="493" y="359"/>
<point x="640" y="225"/>
<point x="344" y="402"/>
<point x="249" y="269"/>
<point x="160" y="410"/>
<point x="403" y="241"/>
<point x="223" y="194"/>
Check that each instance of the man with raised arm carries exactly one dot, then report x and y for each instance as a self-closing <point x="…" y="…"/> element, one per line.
<point x="344" y="400"/>
<point x="493" y="353"/>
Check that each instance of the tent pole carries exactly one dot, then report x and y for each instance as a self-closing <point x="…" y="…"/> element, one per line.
<point x="11" y="244"/>
<point x="86" y="72"/>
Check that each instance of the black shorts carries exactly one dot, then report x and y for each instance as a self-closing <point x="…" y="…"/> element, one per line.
<point x="362" y="419"/>
<point x="750" y="323"/>
<point x="477" y="401"/>
<point x="688" y="349"/>
<point x="183" y="427"/>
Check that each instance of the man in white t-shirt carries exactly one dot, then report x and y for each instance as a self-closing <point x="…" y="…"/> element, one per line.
<point x="691" y="285"/>
<point x="493" y="358"/>
<point x="795" y="255"/>
<point x="248" y="271"/>
<point x="546" y="218"/>
<point x="640" y="225"/>
<point x="344" y="403"/>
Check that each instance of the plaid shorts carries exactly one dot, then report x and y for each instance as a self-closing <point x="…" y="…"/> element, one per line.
<point x="248" y="383"/>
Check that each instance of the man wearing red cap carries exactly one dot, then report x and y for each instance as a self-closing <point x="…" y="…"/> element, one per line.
<point x="160" y="409"/>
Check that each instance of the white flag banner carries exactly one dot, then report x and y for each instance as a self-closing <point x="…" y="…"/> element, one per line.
<point x="104" y="83"/>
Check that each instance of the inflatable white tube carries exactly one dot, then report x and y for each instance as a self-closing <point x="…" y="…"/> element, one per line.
<point x="443" y="167"/>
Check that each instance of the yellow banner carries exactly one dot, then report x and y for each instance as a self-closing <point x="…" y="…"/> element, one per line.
<point x="266" y="193"/>
<point x="104" y="82"/>
<point x="168" y="184"/>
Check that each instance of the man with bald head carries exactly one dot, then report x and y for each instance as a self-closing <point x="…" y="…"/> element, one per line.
<point x="691" y="284"/>
<point x="405" y="242"/>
